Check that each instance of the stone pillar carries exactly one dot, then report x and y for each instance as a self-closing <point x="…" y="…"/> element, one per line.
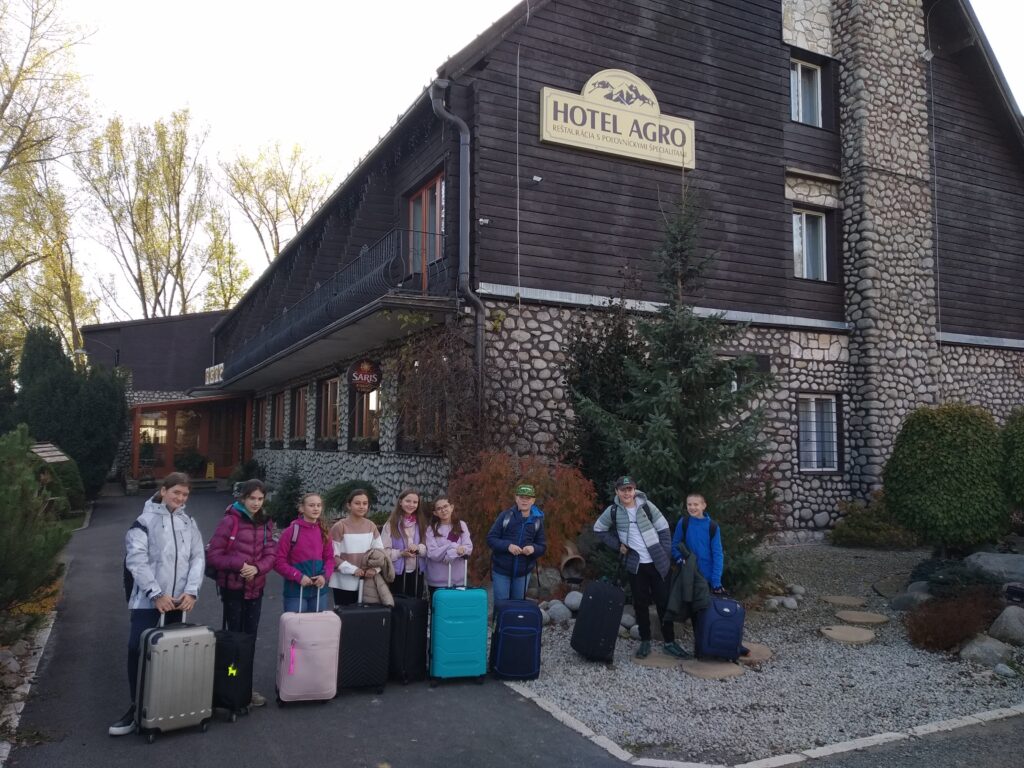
<point x="888" y="262"/>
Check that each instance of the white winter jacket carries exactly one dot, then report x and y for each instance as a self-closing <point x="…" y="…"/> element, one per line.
<point x="165" y="554"/>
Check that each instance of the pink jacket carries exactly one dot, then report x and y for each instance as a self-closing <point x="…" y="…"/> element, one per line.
<point x="441" y="551"/>
<point x="309" y="556"/>
<point x="253" y="544"/>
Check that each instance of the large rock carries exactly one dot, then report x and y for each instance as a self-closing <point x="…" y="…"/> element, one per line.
<point x="908" y="601"/>
<point x="628" y="620"/>
<point x="986" y="651"/>
<point x="918" y="586"/>
<point x="550" y="578"/>
<point x="1001" y="567"/>
<point x="1009" y="627"/>
<point x="573" y="600"/>
<point x="558" y="611"/>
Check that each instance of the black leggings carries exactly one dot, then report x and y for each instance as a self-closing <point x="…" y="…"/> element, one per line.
<point x="649" y="586"/>
<point x="241" y="615"/>
<point x="345" y="596"/>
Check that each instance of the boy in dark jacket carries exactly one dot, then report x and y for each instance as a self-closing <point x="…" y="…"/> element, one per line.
<point x="517" y="541"/>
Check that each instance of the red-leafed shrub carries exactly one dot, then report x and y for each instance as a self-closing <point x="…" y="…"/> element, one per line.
<point x="567" y="498"/>
<point x="945" y="624"/>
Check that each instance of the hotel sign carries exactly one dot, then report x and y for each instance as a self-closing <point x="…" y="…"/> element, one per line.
<point x="617" y="113"/>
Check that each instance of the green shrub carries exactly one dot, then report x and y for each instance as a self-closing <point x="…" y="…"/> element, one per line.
<point x="870" y="525"/>
<point x="191" y="462"/>
<point x="1013" y="457"/>
<point x="70" y="477"/>
<point x="283" y="506"/>
<point x="944" y="478"/>
<point x="334" y="498"/>
<point x="32" y="538"/>
<point x="249" y="470"/>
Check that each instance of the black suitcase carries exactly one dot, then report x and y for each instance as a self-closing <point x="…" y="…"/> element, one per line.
<point x="365" y="645"/>
<point x="232" y="671"/>
<point x="409" y="638"/>
<point x="598" y="621"/>
<point x="515" y="644"/>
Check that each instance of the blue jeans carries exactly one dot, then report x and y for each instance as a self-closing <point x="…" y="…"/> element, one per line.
<point x="505" y="587"/>
<point x="308" y="603"/>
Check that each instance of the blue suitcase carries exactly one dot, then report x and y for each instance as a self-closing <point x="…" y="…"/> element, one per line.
<point x="458" y="632"/>
<point x="515" y="644"/>
<point x="719" y="630"/>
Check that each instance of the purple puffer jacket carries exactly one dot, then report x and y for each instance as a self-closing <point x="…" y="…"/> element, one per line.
<point x="254" y="544"/>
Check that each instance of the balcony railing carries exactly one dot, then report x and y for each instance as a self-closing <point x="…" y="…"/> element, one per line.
<point x="402" y="262"/>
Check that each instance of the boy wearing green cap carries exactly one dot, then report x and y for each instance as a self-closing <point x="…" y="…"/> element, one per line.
<point x="517" y="541"/>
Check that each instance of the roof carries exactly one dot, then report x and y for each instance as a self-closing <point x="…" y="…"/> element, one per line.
<point x="153" y="320"/>
<point x="49" y="453"/>
<point x="187" y="401"/>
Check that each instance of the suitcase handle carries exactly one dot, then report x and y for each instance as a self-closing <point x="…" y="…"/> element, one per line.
<point x="359" y="592"/>
<point x="301" y="601"/>
<point x="163" y="618"/>
<point x="465" y="574"/>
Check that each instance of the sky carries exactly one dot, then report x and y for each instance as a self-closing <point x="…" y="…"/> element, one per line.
<point x="253" y="74"/>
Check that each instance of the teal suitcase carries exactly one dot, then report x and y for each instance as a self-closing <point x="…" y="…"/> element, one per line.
<point x="458" y="633"/>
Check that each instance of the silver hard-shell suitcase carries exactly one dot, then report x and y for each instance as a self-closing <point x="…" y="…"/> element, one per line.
<point x="175" y="684"/>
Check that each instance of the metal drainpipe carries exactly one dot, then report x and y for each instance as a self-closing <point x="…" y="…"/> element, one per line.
<point x="437" y="89"/>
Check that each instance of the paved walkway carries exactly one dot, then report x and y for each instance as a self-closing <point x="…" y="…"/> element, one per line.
<point x="82" y="689"/>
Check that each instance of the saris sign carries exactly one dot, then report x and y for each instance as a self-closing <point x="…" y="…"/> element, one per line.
<point x="617" y="113"/>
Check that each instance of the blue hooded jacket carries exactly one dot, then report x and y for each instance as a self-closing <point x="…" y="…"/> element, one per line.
<point x="707" y="549"/>
<point x="512" y="528"/>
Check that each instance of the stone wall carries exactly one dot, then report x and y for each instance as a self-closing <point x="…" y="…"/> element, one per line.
<point x="991" y="378"/>
<point x="807" y="24"/>
<point x="888" y="263"/>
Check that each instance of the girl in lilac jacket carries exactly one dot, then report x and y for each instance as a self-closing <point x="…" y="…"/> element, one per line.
<point x="447" y="540"/>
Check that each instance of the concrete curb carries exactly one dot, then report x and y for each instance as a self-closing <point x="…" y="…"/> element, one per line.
<point x="88" y="518"/>
<point x="778" y="761"/>
<point x="39" y="641"/>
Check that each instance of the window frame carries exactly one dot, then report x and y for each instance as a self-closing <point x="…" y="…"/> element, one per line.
<point x="813" y="397"/>
<point x="796" y="91"/>
<point x="299" y="397"/>
<point x="800" y="212"/>
<point x="327" y="422"/>
<point x="277" y="416"/>
<point x="420" y="232"/>
<point x="259" y="427"/>
<point x="364" y="420"/>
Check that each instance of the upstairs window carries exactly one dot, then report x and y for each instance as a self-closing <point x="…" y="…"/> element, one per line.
<point x="810" y="252"/>
<point x="298" y="405"/>
<point x="426" y="225"/>
<point x="327" y="409"/>
<point x="819" y="443"/>
<point x="805" y="93"/>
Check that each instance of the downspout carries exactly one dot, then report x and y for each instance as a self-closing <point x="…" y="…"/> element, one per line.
<point x="437" y="89"/>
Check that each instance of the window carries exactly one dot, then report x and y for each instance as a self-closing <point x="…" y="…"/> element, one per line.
<point x="810" y="254"/>
<point x="805" y="93"/>
<point x="327" y="409"/>
<point x="277" y="416"/>
<point x="426" y="225"/>
<point x="819" y="444"/>
<point x="364" y="425"/>
<point x="298" y="407"/>
<point x="260" y="419"/>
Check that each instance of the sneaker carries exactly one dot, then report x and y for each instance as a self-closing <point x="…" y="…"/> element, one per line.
<point x="674" y="649"/>
<point x="257" y="700"/>
<point x="125" y="725"/>
<point x="644" y="650"/>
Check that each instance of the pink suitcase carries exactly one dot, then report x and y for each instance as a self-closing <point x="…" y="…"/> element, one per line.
<point x="307" y="656"/>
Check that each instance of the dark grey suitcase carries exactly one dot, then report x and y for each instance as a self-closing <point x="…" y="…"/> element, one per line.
<point x="597" y="621"/>
<point x="175" y="683"/>
<point x="365" y="645"/>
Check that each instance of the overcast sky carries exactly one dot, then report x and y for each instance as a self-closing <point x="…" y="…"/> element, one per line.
<point x="330" y="76"/>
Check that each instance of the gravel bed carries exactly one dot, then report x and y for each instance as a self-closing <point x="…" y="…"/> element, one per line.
<point x="813" y="692"/>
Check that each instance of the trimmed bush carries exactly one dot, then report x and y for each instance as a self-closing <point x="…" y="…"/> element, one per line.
<point x="944" y="478"/>
<point x="334" y="498"/>
<point x="69" y="475"/>
<point x="32" y="537"/>
<point x="945" y="624"/>
<point x="870" y="525"/>
<point x="283" y="506"/>
<point x="250" y="470"/>
<point x="1013" y="457"/>
<point x="567" y="498"/>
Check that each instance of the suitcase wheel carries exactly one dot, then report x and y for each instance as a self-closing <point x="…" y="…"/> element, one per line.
<point x="206" y="725"/>
<point x="480" y="679"/>
<point x="150" y="738"/>
<point x="280" y="703"/>
<point x="433" y="682"/>
<point x="380" y="690"/>
<point x="234" y="717"/>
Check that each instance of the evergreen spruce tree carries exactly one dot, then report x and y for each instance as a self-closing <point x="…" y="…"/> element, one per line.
<point x="284" y="503"/>
<point x="682" y="416"/>
<point x="32" y="538"/>
<point x="8" y="417"/>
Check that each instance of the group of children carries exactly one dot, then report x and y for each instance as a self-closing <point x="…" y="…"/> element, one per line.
<point x="166" y="557"/>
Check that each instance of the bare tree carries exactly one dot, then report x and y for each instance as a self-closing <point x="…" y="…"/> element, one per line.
<point x="276" y="193"/>
<point x="229" y="275"/>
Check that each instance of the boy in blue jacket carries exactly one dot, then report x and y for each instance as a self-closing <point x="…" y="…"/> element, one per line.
<point x="704" y="540"/>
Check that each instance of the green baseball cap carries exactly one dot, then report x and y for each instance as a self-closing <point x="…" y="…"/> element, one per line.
<point x="525" y="489"/>
<point x="624" y="481"/>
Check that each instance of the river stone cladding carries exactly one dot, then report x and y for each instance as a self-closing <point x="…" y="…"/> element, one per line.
<point x="991" y="378"/>
<point x="887" y="223"/>
<point x="807" y="24"/>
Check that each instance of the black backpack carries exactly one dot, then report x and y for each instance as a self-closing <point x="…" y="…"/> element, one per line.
<point x="712" y="529"/>
<point x="129" y="580"/>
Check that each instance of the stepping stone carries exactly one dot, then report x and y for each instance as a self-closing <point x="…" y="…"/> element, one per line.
<point x="759" y="654"/>
<point x="711" y="670"/>
<point x="843" y="633"/>
<point x="845" y="601"/>
<point x="658" y="660"/>
<point x="891" y="585"/>
<point x="862" y="617"/>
